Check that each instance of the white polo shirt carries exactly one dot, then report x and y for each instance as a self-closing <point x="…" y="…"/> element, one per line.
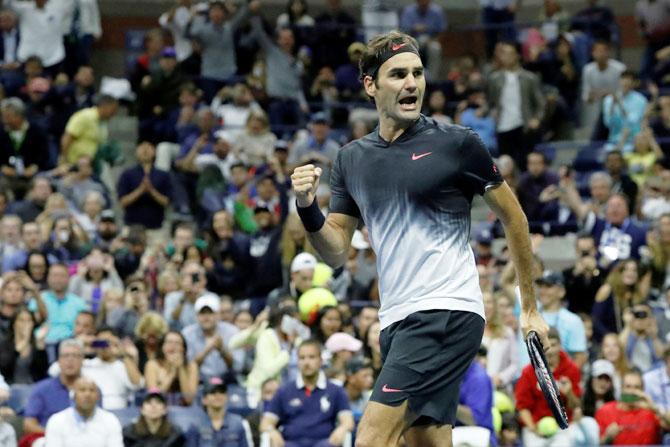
<point x="41" y="31"/>
<point x="68" y="429"/>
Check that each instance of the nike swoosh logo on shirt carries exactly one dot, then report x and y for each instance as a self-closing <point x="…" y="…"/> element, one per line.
<point x="416" y="157"/>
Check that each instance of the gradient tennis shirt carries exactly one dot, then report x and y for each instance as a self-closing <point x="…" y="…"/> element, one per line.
<point x="414" y="195"/>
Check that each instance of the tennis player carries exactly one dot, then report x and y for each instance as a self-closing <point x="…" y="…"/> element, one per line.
<point x="412" y="181"/>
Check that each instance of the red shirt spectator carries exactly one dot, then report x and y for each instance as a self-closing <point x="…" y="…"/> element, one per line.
<point x="529" y="396"/>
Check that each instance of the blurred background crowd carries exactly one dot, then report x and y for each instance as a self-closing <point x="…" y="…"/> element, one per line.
<point x="158" y="288"/>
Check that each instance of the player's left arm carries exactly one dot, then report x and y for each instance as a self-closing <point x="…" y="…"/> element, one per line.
<point x="503" y="202"/>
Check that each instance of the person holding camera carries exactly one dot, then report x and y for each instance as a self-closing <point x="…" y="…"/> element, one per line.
<point x="583" y="279"/>
<point x="179" y="308"/>
<point x="643" y="348"/>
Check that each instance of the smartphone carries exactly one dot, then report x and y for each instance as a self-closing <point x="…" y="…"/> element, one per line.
<point x="101" y="344"/>
<point x="629" y="398"/>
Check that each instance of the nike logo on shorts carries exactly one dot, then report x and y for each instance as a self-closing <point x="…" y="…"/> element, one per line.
<point x="386" y="389"/>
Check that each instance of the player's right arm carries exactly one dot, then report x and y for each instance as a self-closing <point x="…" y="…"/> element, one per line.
<point x="333" y="238"/>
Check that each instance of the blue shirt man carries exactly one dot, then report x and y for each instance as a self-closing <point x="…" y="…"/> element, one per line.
<point x="62" y="307"/>
<point x="422" y="18"/>
<point x="477" y="394"/>
<point x="312" y="411"/>
<point x="52" y="395"/>
<point x="225" y="429"/>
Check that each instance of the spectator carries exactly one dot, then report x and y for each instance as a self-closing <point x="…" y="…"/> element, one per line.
<point x="358" y="386"/>
<point x="51" y="395"/>
<point x="84" y="332"/>
<point x="235" y="113"/>
<point x="13" y="296"/>
<point x="40" y="26"/>
<point x="476" y="399"/>
<point x="533" y="407"/>
<point x="309" y="422"/>
<point x="425" y="22"/>
<point x="318" y="149"/>
<point x="33" y="205"/>
<point x="643" y="348"/>
<point x="583" y="280"/>
<point x="335" y="30"/>
<point x="600" y="189"/>
<point x="15" y="259"/>
<point x="284" y="86"/>
<point x="498" y="20"/>
<point x="502" y="362"/>
<point x="171" y="372"/>
<point x="149" y="331"/>
<point x="23" y="356"/>
<point x="475" y="113"/>
<point x="599" y="387"/>
<point x="225" y="428"/>
<point x="328" y="321"/>
<point x="597" y="21"/>
<point x="62" y="306"/>
<point x="159" y="98"/>
<point x="568" y="324"/>
<point x="135" y="305"/>
<point x="652" y="18"/>
<point x="208" y="341"/>
<point x="176" y="20"/>
<point x="76" y="185"/>
<point x="301" y="275"/>
<point x="340" y="349"/>
<point x="229" y="251"/>
<point x="623" y="112"/>
<point x="265" y="264"/>
<point x="36" y="267"/>
<point x="154" y="41"/>
<point x="347" y="76"/>
<point x="297" y="18"/>
<point x="660" y="125"/>
<point x="10" y="73"/>
<point x="144" y="191"/>
<point x="599" y="79"/>
<point x="215" y="37"/>
<point x="152" y="428"/>
<point x="516" y="96"/>
<point x="24" y="149"/>
<point x="615" y="165"/>
<point x="179" y="306"/>
<point x="102" y="427"/>
<point x="95" y="275"/>
<point x="86" y="132"/>
<point x="531" y="187"/>
<point x="633" y="420"/>
<point x="642" y="160"/>
<point x="372" y="348"/>
<point x="75" y="95"/>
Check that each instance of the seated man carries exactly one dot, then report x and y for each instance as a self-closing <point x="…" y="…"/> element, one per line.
<point x="225" y="428"/>
<point x="312" y="412"/>
<point x="52" y="395"/>
<point x="634" y="419"/>
<point x="84" y="424"/>
<point x="476" y="399"/>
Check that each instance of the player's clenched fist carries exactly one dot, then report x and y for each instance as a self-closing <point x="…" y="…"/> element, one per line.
<point x="305" y="180"/>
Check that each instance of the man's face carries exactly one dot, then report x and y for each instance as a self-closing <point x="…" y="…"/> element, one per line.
<point x="399" y="89"/>
<point x="269" y="390"/>
<point x="84" y="167"/>
<point x="215" y="400"/>
<point x="107" y="229"/>
<point x="84" y="325"/>
<point x="85" y="395"/>
<point x="617" y="210"/>
<point x="614" y="163"/>
<point x="309" y="361"/>
<point x="585" y="246"/>
<point x="508" y="56"/>
<point x="263" y="219"/>
<point x="7" y="21"/>
<point x="106" y="354"/>
<point x="145" y="153"/>
<point x="207" y="319"/>
<point x="302" y="279"/>
<point x="58" y="278"/>
<point x="600" y="190"/>
<point x="226" y="312"/>
<point x="13" y="294"/>
<point x="266" y="189"/>
<point x="11" y="119"/>
<point x="38" y="267"/>
<point x="217" y="14"/>
<point x="168" y="64"/>
<point x="626" y="83"/>
<point x="362" y="379"/>
<point x="632" y="384"/>
<point x="536" y="165"/>
<point x="239" y="176"/>
<point x="600" y="53"/>
<point x="553" y="354"/>
<point x="285" y="40"/>
<point x="106" y="111"/>
<point x="70" y="360"/>
<point x="85" y="76"/>
<point x="320" y="131"/>
<point x="11" y="229"/>
<point x="550" y="294"/>
<point x="221" y="148"/>
<point x="41" y="190"/>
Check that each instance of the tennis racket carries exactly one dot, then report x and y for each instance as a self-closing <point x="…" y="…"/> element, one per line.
<point x="546" y="379"/>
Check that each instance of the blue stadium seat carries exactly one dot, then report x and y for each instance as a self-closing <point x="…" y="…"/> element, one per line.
<point x="589" y="158"/>
<point x="134" y="40"/>
<point x="126" y="415"/>
<point x="19" y="397"/>
<point x="549" y="151"/>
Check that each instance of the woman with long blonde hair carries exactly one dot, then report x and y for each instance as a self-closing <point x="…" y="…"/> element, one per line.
<point x="293" y="241"/>
<point x="502" y="361"/>
<point x="625" y="286"/>
<point x="612" y="350"/>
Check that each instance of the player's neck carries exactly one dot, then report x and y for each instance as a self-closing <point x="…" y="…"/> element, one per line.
<point x="390" y="129"/>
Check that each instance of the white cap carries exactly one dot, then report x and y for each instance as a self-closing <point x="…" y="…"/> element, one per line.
<point x="359" y="242"/>
<point x="225" y="135"/>
<point x="303" y="261"/>
<point x="208" y="300"/>
<point x="603" y="367"/>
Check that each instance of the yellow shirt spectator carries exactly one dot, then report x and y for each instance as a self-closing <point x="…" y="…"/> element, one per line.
<point x="87" y="131"/>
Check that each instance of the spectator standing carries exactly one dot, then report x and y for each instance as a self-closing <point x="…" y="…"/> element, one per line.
<point x="498" y="20"/>
<point x="318" y="148"/>
<point x="583" y="280"/>
<point x="597" y="21"/>
<point x="152" y="428"/>
<point x="335" y="30"/>
<point x="256" y="143"/>
<point x="85" y="28"/>
<point x="639" y="337"/>
<point x="623" y="112"/>
<point x="23" y="356"/>
<point x="84" y="424"/>
<point x="95" y="275"/>
<point x="176" y="20"/>
<point x="653" y="18"/>
<point x="425" y="21"/>
<point x="179" y="308"/>
<point x="10" y="67"/>
<point x="532" y="184"/>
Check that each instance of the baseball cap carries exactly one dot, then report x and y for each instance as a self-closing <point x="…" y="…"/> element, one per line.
<point x="356" y="364"/>
<point x="341" y="341"/>
<point x="603" y="368"/>
<point x="169" y="52"/>
<point x="209" y="300"/>
<point x="550" y="278"/>
<point x="484" y="237"/>
<point x="154" y="393"/>
<point x="319" y="118"/>
<point x="303" y="261"/>
<point x="107" y="216"/>
<point x="213" y="385"/>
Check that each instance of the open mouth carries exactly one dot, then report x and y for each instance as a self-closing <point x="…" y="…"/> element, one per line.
<point x="409" y="102"/>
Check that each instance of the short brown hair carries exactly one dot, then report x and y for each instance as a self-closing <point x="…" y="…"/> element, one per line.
<point x="377" y="46"/>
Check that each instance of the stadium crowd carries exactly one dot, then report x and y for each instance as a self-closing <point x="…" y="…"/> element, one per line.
<point x="175" y="300"/>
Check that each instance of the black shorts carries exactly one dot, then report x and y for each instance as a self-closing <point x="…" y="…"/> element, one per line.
<point x="425" y="358"/>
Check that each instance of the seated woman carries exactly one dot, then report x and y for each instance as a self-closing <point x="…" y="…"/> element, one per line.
<point x="171" y="372"/>
<point x="153" y="429"/>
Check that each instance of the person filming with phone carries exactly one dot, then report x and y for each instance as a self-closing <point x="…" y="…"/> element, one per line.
<point x="632" y="420"/>
<point x="643" y="348"/>
<point x="179" y="305"/>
